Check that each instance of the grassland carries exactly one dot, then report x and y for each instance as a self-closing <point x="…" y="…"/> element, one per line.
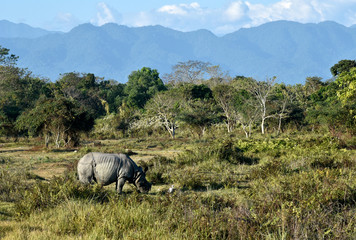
<point x="298" y="186"/>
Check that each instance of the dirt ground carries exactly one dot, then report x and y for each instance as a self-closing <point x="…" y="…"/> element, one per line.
<point x="47" y="163"/>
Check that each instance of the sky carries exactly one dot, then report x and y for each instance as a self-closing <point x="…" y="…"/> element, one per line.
<point x="219" y="16"/>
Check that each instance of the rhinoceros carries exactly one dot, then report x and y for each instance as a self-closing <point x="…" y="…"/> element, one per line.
<point x="107" y="168"/>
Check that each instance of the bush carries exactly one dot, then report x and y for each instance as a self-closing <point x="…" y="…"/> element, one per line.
<point x="226" y="150"/>
<point x="45" y="194"/>
<point x="12" y="184"/>
<point x="159" y="169"/>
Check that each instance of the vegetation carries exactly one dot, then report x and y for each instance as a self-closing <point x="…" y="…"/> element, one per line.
<point x="246" y="159"/>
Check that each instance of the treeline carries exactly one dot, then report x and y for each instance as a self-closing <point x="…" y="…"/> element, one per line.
<point x="195" y="98"/>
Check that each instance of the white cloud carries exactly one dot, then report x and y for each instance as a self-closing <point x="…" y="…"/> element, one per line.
<point x="62" y="22"/>
<point x="180" y="9"/>
<point x="106" y="14"/>
<point x="236" y="11"/>
<point x="304" y="11"/>
<point x="294" y="10"/>
<point x="233" y="15"/>
<point x="172" y="9"/>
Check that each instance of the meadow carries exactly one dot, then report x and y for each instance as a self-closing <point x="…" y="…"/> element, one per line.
<point x="293" y="186"/>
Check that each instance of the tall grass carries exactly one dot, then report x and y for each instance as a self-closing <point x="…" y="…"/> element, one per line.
<point x="267" y="188"/>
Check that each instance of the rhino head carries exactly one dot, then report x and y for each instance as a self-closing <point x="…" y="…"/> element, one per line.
<point x="140" y="181"/>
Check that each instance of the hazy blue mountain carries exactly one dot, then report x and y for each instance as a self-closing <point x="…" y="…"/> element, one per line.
<point x="289" y="50"/>
<point x="20" y="30"/>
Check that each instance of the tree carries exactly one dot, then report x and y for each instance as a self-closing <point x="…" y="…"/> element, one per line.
<point x="313" y="84"/>
<point x="342" y="66"/>
<point x="283" y="97"/>
<point x="191" y="104"/>
<point x="217" y="76"/>
<point x="113" y="93"/>
<point x="225" y="96"/>
<point x="59" y="117"/>
<point x="199" y="114"/>
<point x="19" y="91"/>
<point x="334" y="104"/>
<point x="84" y="89"/>
<point x="187" y="72"/>
<point x="141" y="86"/>
<point x="6" y="59"/>
<point x="261" y="91"/>
<point x="167" y="106"/>
<point x="346" y="93"/>
<point x="247" y="110"/>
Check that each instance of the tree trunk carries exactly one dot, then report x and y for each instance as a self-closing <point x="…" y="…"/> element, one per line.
<point x="47" y="138"/>
<point x="249" y="129"/>
<point x="279" y="124"/>
<point x="245" y="131"/>
<point x="229" y="126"/>
<point x="58" y="143"/>
<point x="263" y="126"/>
<point x="173" y="132"/>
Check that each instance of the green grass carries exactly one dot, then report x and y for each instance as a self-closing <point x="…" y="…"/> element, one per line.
<point x="291" y="187"/>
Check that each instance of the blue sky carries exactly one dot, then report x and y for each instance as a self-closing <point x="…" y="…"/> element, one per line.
<point x="218" y="16"/>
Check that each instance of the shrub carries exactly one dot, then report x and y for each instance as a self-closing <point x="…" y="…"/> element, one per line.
<point x="159" y="169"/>
<point x="44" y="195"/>
<point x="12" y="184"/>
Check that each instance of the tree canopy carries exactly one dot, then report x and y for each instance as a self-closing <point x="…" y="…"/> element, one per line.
<point x="342" y="66"/>
<point x="141" y="86"/>
<point x="198" y="97"/>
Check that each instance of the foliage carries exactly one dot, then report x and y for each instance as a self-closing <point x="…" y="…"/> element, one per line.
<point x="342" y="66"/>
<point x="346" y="92"/>
<point x="141" y="86"/>
<point x="224" y="96"/>
<point x="295" y="187"/>
<point x="19" y="91"/>
<point x="59" y="117"/>
<point x="313" y="84"/>
<point x="298" y="184"/>
<point x="167" y="107"/>
<point x="84" y="90"/>
<point x="327" y="109"/>
<point x="115" y="125"/>
<point x="199" y="115"/>
<point x="106" y="127"/>
<point x="12" y="183"/>
<point x="187" y="72"/>
<point x="7" y="59"/>
<point x="113" y="93"/>
<point x="44" y="195"/>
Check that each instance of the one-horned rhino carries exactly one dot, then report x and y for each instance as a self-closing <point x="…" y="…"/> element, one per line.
<point x="107" y="168"/>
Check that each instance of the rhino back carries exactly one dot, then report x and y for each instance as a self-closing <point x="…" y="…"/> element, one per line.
<point x="107" y="167"/>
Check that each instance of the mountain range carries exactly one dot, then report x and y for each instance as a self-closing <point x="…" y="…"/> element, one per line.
<point x="290" y="51"/>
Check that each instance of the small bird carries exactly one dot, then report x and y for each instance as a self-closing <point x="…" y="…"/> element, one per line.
<point x="171" y="189"/>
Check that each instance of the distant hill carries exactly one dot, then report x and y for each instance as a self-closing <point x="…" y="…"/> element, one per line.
<point x="20" y="30"/>
<point x="289" y="50"/>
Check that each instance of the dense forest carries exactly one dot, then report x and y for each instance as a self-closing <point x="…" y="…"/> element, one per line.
<point x="228" y="157"/>
<point x="195" y="99"/>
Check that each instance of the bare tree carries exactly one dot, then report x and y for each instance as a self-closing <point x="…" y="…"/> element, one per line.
<point x="224" y="96"/>
<point x="217" y="76"/>
<point x="165" y="106"/>
<point x="262" y="91"/>
<point x="284" y="97"/>
<point x="247" y="115"/>
<point x="187" y="72"/>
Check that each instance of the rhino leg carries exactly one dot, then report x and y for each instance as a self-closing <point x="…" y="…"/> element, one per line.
<point x="120" y="184"/>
